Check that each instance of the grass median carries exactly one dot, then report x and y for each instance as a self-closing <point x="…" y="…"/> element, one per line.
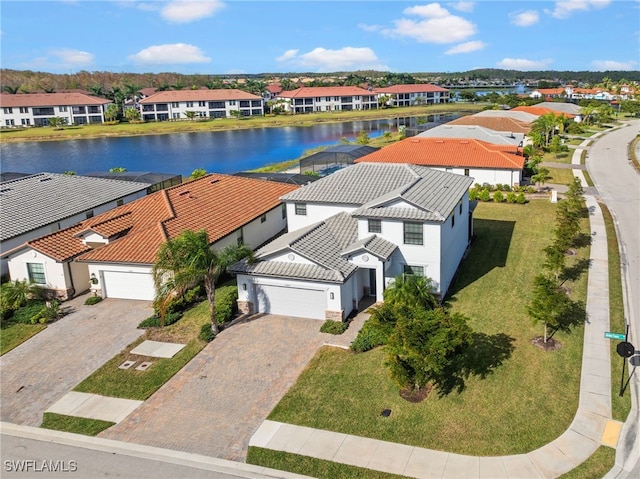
<point x="525" y="400"/>
<point x="13" y="334"/>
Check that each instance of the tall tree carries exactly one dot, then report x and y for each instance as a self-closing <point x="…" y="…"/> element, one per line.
<point x="188" y="260"/>
<point x="550" y="304"/>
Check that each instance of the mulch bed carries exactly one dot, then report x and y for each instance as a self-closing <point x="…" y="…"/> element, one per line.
<point x="550" y="345"/>
<point x="415" y="396"/>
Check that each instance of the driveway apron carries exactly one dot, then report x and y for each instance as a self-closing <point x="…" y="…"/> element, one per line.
<point x="215" y="403"/>
<point x="47" y="366"/>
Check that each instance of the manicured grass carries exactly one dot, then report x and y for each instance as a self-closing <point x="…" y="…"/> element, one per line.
<point x="153" y="128"/>
<point x="14" y="334"/>
<point x="596" y="467"/>
<point x="312" y="467"/>
<point x="518" y="398"/>
<point x="620" y="405"/>
<point x="78" y="425"/>
<point x="560" y="176"/>
<point x="632" y="153"/>
<point x="564" y="157"/>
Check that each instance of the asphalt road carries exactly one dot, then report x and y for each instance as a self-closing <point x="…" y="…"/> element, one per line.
<point x="618" y="183"/>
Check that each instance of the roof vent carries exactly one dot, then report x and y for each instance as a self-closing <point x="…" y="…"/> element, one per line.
<point x="45" y="179"/>
<point x="215" y="180"/>
<point x="183" y="193"/>
<point x="5" y="190"/>
<point x="439" y="141"/>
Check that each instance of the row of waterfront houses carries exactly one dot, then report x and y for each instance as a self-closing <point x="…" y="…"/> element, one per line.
<point x="35" y="109"/>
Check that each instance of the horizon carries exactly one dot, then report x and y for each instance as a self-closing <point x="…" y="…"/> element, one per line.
<point x="320" y="37"/>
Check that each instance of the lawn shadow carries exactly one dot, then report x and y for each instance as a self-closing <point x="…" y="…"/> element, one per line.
<point x="573" y="272"/>
<point x="488" y="251"/>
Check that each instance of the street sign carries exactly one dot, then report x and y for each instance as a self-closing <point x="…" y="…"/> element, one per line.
<point x="626" y="350"/>
<point x="619" y="336"/>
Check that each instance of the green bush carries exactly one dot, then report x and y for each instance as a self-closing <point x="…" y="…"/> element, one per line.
<point x="473" y="195"/>
<point x="484" y="195"/>
<point x="181" y="303"/>
<point x="498" y="197"/>
<point x="28" y="311"/>
<point x="91" y="300"/>
<point x="511" y="197"/>
<point x="206" y="333"/>
<point x="520" y="199"/>
<point x="376" y="330"/>
<point x="226" y="303"/>
<point x="154" y="321"/>
<point x="333" y="327"/>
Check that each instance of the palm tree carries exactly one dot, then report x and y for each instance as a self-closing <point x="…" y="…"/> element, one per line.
<point x="188" y="260"/>
<point x="545" y="124"/>
<point x="411" y="290"/>
<point x="12" y="90"/>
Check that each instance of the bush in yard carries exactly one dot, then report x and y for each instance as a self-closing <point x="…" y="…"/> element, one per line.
<point x="511" y="197"/>
<point x="498" y="197"/>
<point x="333" y="327"/>
<point x="155" y="321"/>
<point x="484" y="195"/>
<point x="376" y="330"/>
<point x="91" y="300"/>
<point x="206" y="333"/>
<point x="25" y="313"/>
<point x="226" y="303"/>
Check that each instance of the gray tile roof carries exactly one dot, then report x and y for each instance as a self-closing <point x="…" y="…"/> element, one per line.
<point x="570" y="108"/>
<point x="38" y="200"/>
<point x="516" y="115"/>
<point x="375" y="245"/>
<point x="476" y="132"/>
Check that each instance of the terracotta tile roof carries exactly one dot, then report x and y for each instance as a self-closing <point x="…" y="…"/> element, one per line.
<point x="448" y="152"/>
<point x="199" y="95"/>
<point x="551" y="91"/>
<point x="494" y="123"/>
<point x="49" y="99"/>
<point x="317" y="91"/>
<point x="536" y="110"/>
<point x="411" y="88"/>
<point x="219" y="204"/>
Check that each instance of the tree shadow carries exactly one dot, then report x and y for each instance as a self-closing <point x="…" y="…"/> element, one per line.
<point x="488" y="251"/>
<point x="573" y="272"/>
<point x="582" y="240"/>
<point x="575" y="314"/>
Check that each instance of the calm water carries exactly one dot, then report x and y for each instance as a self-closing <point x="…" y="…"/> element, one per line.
<point x="181" y="153"/>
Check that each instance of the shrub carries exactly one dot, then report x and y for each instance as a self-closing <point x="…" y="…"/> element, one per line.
<point x="206" y="333"/>
<point x="376" y="330"/>
<point x="333" y="327"/>
<point x="473" y="195"/>
<point x="520" y="199"/>
<point x="28" y="311"/>
<point x="511" y="197"/>
<point x="498" y="197"/>
<point x="226" y="303"/>
<point x="91" y="300"/>
<point x="484" y="195"/>
<point x="181" y="303"/>
<point x="154" y="321"/>
<point x="48" y="312"/>
<point x="531" y="189"/>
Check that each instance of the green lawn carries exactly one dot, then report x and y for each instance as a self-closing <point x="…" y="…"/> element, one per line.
<point x="14" y="334"/>
<point x="559" y="176"/>
<point x="519" y="397"/>
<point x="77" y="425"/>
<point x="596" y="467"/>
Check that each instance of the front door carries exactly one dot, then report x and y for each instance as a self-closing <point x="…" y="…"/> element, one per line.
<point x="372" y="282"/>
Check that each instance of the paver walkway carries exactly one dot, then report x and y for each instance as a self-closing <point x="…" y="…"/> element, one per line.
<point x="47" y="366"/>
<point x="217" y="401"/>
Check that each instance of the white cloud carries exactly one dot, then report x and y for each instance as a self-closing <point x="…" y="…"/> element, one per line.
<point x="524" y="65"/>
<point x="324" y="60"/>
<point x="72" y="58"/>
<point x="564" y="8"/>
<point x="466" y="7"/>
<point x="288" y="55"/>
<point x="438" y="25"/>
<point x="604" y="65"/>
<point x="185" y="11"/>
<point x="524" y="19"/>
<point x="370" y="28"/>
<point x="170" y="54"/>
<point x="466" y="47"/>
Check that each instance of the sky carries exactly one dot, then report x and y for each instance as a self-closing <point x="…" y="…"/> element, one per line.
<point x="237" y="37"/>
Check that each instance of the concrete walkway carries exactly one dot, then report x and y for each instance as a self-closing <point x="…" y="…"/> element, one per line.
<point x="591" y="427"/>
<point x="94" y="406"/>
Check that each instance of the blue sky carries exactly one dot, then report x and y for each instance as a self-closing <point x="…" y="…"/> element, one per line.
<point x="235" y="37"/>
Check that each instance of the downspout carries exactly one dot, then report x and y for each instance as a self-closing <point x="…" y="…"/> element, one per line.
<point x="73" y="288"/>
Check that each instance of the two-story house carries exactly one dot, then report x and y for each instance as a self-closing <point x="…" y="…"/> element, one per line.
<point x="330" y="98"/>
<point x="352" y="232"/>
<point x="414" y="94"/>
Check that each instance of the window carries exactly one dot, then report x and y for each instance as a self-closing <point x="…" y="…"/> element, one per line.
<point x="36" y="273"/>
<point x="26" y="121"/>
<point x="375" y="226"/>
<point x="176" y="116"/>
<point x="453" y="218"/>
<point x="301" y="209"/>
<point x="202" y="103"/>
<point x="24" y="109"/>
<point x="175" y="104"/>
<point x="413" y="270"/>
<point x="89" y="214"/>
<point x="8" y="110"/>
<point x="284" y="211"/>
<point x="232" y="102"/>
<point x="189" y="104"/>
<point x="460" y="206"/>
<point x="120" y="202"/>
<point x="412" y="233"/>
<point x="240" y="237"/>
<point x="9" y="122"/>
<point x="263" y="218"/>
<point x="466" y="172"/>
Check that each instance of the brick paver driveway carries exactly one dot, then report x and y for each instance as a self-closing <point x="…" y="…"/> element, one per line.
<point x="46" y="367"/>
<point x="215" y="403"/>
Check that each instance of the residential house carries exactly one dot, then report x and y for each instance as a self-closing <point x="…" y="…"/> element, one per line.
<point x="476" y="132"/>
<point x="224" y="103"/>
<point x="156" y="181"/>
<point x="329" y="98"/>
<point x="497" y="123"/>
<point x="35" y="205"/>
<point x="486" y="162"/>
<point x="414" y="94"/>
<point x="548" y="93"/>
<point x="113" y="253"/>
<point x="35" y="109"/>
<point x="352" y="232"/>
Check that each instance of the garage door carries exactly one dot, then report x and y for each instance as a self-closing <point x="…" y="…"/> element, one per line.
<point x="119" y="284"/>
<point x="287" y="301"/>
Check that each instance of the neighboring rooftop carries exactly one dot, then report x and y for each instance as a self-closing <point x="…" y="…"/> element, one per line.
<point x="38" y="200"/>
<point x="169" y="96"/>
<point x="476" y="132"/>
<point x="411" y="88"/>
<point x="494" y="123"/>
<point x="570" y="108"/>
<point x="49" y="99"/>
<point x="317" y="91"/>
<point x="335" y="155"/>
<point x="158" y="181"/>
<point x="291" y="178"/>
<point x="541" y="110"/>
<point x="514" y="114"/>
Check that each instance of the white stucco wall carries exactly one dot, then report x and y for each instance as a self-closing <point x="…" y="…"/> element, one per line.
<point x="315" y="213"/>
<point x="488" y="175"/>
<point x="54" y="272"/>
<point x="454" y="241"/>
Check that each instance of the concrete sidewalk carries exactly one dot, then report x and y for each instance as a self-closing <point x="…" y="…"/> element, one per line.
<point x="574" y="446"/>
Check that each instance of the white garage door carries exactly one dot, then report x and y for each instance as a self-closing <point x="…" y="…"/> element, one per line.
<point x="124" y="285"/>
<point x="287" y="301"/>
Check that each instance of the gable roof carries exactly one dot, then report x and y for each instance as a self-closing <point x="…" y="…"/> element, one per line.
<point x="411" y="88"/>
<point x="219" y="204"/>
<point x="316" y="91"/>
<point x="515" y="114"/>
<point x="199" y="95"/>
<point x="540" y="110"/>
<point x="473" y="131"/>
<point x="436" y="192"/>
<point x="50" y="99"/>
<point x="34" y="201"/>
<point x="569" y="108"/>
<point x="448" y="152"/>
<point x="494" y="123"/>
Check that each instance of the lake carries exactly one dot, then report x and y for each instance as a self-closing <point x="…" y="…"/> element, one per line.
<point x="181" y="153"/>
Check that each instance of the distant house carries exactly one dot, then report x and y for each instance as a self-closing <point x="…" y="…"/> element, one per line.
<point x="333" y="158"/>
<point x="414" y="94"/>
<point x="35" y="109"/>
<point x="174" y="104"/>
<point x="39" y="204"/>
<point x="156" y="181"/>
<point x="497" y="123"/>
<point x="330" y="98"/>
<point x="113" y="253"/>
<point x="475" y="132"/>
<point x="352" y="232"/>
<point x="548" y="93"/>
<point x="482" y="161"/>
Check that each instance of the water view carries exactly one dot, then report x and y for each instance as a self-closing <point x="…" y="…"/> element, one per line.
<point x="181" y="153"/>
